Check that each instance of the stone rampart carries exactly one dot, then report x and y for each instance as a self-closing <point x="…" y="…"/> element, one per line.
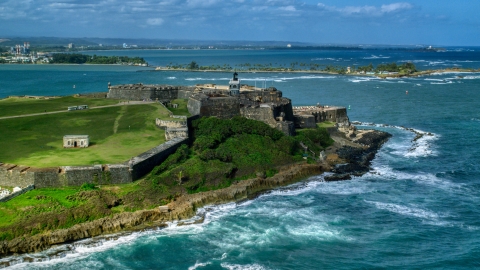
<point x="172" y="133"/>
<point x="12" y="175"/>
<point x="145" y="162"/>
<point x="170" y="123"/>
<point x="260" y="113"/>
<point x="149" y="92"/>
<point x="322" y="114"/>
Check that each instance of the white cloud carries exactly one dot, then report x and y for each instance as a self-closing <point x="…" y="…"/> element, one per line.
<point x="366" y="11"/>
<point x="288" y="8"/>
<point x="395" y="7"/>
<point x="155" y="21"/>
<point x="201" y="3"/>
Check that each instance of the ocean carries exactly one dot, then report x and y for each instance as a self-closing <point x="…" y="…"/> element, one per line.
<point x="418" y="207"/>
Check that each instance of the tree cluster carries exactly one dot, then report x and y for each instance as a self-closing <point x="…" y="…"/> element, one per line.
<point x="77" y="58"/>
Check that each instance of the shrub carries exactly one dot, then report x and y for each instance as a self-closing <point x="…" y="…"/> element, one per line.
<point x="88" y="186"/>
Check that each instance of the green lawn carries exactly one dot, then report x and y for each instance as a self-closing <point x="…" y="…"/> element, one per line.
<point x="182" y="107"/>
<point x="116" y="134"/>
<point x="19" y="106"/>
<point x="326" y="124"/>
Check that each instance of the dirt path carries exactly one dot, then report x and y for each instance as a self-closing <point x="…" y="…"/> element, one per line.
<point x="92" y="108"/>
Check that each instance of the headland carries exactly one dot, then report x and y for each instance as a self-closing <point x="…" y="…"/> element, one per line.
<point x="174" y="188"/>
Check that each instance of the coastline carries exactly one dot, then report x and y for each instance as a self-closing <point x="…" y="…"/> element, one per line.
<point x="185" y="206"/>
<point x="383" y="76"/>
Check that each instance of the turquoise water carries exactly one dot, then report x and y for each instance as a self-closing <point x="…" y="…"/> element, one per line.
<point x="417" y="208"/>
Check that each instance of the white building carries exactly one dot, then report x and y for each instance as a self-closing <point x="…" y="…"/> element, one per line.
<point x="75" y="141"/>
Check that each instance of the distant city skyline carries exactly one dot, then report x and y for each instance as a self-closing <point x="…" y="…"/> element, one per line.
<point x="431" y="22"/>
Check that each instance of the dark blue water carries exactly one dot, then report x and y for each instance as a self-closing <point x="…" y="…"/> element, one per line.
<point x="418" y="208"/>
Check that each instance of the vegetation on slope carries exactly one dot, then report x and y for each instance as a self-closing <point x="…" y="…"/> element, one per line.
<point x="223" y="151"/>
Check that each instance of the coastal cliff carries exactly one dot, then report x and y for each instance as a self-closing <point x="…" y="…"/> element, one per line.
<point x="358" y="153"/>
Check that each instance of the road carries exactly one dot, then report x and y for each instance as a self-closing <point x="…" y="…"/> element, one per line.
<point x="66" y="111"/>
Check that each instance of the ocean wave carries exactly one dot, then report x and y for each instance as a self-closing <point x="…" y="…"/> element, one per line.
<point x="171" y="78"/>
<point x="198" y="264"/>
<point x="439" y="83"/>
<point x="207" y="79"/>
<point x="363" y="79"/>
<point x="255" y="266"/>
<point x="327" y="58"/>
<point x="411" y="210"/>
<point x="471" y="77"/>
<point x="420" y="146"/>
<point x="316" y="230"/>
<point x="376" y="57"/>
<point x="275" y="78"/>
<point x="63" y="256"/>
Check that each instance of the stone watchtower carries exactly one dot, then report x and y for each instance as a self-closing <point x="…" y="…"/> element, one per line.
<point x="234" y="85"/>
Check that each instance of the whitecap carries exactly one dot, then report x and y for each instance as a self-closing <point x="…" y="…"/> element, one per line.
<point x="412" y="210"/>
<point x="376" y="57"/>
<point x="197" y="265"/>
<point x="172" y="78"/>
<point x="255" y="266"/>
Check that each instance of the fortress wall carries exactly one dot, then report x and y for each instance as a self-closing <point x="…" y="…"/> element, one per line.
<point x="47" y="177"/>
<point x="129" y="94"/>
<point x="185" y="93"/>
<point x="305" y="121"/>
<point x="116" y="174"/>
<point x="170" y="123"/>
<point x="78" y="175"/>
<point x="144" y="163"/>
<point x="287" y="127"/>
<point x="265" y="95"/>
<point x="15" y="176"/>
<point x="194" y="105"/>
<point x="171" y="133"/>
<point x="264" y="114"/>
<point x="153" y="92"/>
<point x="286" y="108"/>
<point x="224" y="108"/>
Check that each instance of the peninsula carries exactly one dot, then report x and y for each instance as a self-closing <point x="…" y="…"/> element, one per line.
<point x="236" y="140"/>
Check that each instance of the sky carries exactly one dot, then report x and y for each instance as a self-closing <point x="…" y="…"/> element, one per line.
<point x="420" y="22"/>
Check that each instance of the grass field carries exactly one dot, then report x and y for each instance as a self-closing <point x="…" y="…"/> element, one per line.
<point x="326" y="124"/>
<point x="182" y="107"/>
<point x="116" y="134"/>
<point x="19" y="106"/>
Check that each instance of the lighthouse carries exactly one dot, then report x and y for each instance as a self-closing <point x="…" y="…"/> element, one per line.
<point x="234" y="85"/>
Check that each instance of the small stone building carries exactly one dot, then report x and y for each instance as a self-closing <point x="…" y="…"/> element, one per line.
<point x="74" y="141"/>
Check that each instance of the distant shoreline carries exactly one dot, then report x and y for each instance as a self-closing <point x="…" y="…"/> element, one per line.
<point x="383" y="76"/>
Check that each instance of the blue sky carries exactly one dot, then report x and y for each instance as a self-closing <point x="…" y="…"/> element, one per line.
<point x="428" y="22"/>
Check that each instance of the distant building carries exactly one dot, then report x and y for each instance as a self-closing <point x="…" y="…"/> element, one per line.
<point x="75" y="141"/>
<point x="71" y="45"/>
<point x="289" y="45"/>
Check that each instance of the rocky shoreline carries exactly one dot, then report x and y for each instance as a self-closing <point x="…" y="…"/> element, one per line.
<point x="347" y="157"/>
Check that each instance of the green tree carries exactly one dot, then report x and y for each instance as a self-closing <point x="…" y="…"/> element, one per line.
<point x="192" y="65"/>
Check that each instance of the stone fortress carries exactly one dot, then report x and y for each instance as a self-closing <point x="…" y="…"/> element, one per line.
<point x="224" y="101"/>
<point x="235" y="99"/>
